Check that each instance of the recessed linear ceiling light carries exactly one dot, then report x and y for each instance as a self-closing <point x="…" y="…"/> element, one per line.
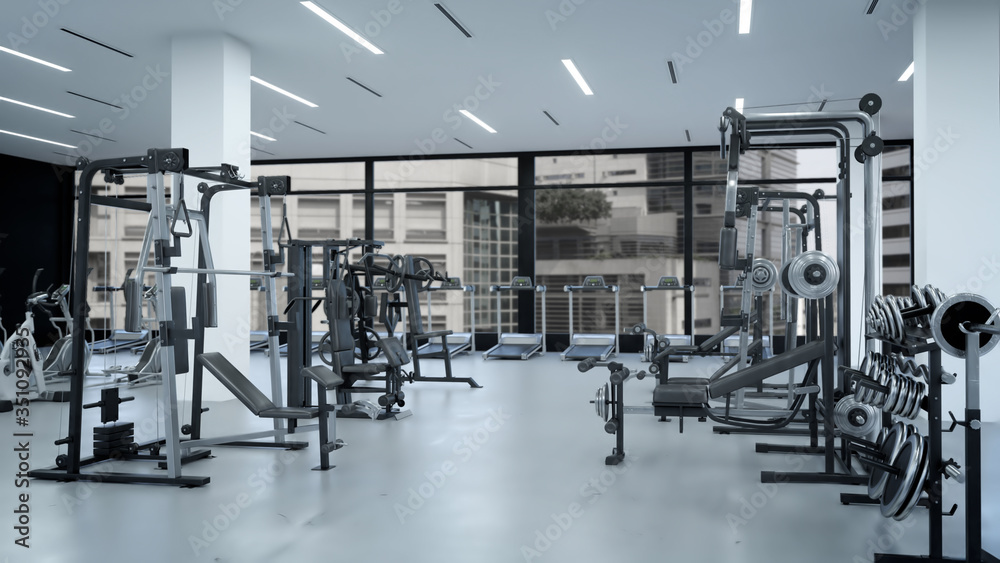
<point x="746" y="7"/>
<point x="342" y="27"/>
<point x="906" y="73"/>
<point x="265" y="137"/>
<point x="577" y="76"/>
<point x="363" y="86"/>
<point x="310" y="127"/>
<point x="739" y="105"/>
<point x="283" y="92"/>
<point x="37" y="139"/>
<point x="33" y="59"/>
<point x="452" y="19"/>
<point x="94" y="99"/>
<point x="96" y="42"/>
<point x="84" y="133"/>
<point x="477" y="121"/>
<point x="39" y="108"/>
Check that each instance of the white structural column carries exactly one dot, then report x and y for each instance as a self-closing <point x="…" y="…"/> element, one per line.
<point x="956" y="134"/>
<point x="210" y="116"/>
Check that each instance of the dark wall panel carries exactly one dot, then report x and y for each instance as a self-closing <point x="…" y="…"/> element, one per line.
<point x="36" y="220"/>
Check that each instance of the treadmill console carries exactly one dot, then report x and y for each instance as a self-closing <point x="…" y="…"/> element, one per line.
<point x="669" y="281"/>
<point x="450" y="282"/>
<point x="62" y="291"/>
<point x="520" y="281"/>
<point x="594" y="281"/>
<point x="380" y="283"/>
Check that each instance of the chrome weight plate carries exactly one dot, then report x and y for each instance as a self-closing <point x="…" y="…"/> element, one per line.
<point x="899" y="329"/>
<point x="763" y="275"/>
<point x="855" y="418"/>
<point x="888" y="445"/>
<point x="601" y="402"/>
<point x="919" y="300"/>
<point x="916" y="487"/>
<point x="907" y="461"/>
<point x="813" y="275"/>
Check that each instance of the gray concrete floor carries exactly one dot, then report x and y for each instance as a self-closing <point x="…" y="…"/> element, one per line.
<point x="511" y="472"/>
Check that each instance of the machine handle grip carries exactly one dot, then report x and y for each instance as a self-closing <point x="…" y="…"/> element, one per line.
<point x="586" y="365"/>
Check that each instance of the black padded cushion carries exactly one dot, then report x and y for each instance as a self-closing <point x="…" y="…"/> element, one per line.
<point x="691" y="391"/>
<point x="365" y="369"/>
<point x="236" y="382"/>
<point x="435" y="334"/>
<point x="341" y="340"/>
<point x="395" y="353"/>
<point x="289" y="412"/>
<point x="324" y="376"/>
<point x="689" y="380"/>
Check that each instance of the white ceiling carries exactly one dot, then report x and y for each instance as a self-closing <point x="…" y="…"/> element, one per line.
<point x="797" y="51"/>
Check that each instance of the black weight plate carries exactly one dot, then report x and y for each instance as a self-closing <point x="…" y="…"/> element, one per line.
<point x="952" y="313"/>
<point x="870" y="104"/>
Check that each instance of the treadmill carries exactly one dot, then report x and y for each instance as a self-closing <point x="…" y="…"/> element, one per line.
<point x="458" y="342"/>
<point x="600" y="346"/>
<point x="513" y="345"/>
<point x="650" y="348"/>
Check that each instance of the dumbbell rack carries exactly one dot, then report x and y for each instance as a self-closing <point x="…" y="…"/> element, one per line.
<point x="916" y="341"/>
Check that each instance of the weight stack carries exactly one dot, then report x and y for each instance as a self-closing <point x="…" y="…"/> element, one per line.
<point x="116" y="438"/>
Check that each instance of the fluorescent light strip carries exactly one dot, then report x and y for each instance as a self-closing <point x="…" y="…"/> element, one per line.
<point x="906" y="73"/>
<point x="39" y="108"/>
<point x="478" y="121"/>
<point x="746" y="7"/>
<point x="309" y="127"/>
<point x="265" y="137"/>
<point x="282" y="91"/>
<point x="33" y="59"/>
<point x="37" y="139"/>
<point x="342" y="27"/>
<point x="577" y="76"/>
<point x="739" y="105"/>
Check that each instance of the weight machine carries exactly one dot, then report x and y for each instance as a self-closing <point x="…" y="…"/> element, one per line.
<point x="164" y="234"/>
<point x="809" y="273"/>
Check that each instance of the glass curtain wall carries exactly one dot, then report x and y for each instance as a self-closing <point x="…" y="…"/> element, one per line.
<point x="443" y="211"/>
<point x="629" y="235"/>
<point x="620" y="215"/>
